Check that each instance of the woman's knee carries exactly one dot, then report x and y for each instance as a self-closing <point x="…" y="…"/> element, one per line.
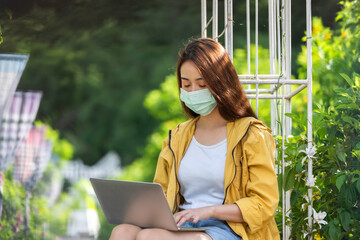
<point x="151" y="234"/>
<point x="124" y="231"/>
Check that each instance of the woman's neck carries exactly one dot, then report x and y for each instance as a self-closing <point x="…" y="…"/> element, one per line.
<point x="212" y="120"/>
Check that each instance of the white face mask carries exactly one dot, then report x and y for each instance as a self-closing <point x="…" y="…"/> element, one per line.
<point x="201" y="101"/>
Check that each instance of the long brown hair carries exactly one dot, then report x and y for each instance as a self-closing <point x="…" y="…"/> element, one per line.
<point x="220" y="75"/>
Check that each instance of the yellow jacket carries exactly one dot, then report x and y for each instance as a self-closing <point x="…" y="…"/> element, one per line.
<point x="250" y="178"/>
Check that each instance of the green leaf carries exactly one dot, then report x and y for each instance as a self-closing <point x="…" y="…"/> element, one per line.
<point x="345" y="220"/>
<point x="347" y="106"/>
<point x="358" y="185"/>
<point x="331" y="132"/>
<point x="321" y="132"/>
<point x="357" y="146"/>
<point x="334" y="230"/>
<point x="294" y="117"/>
<point x="289" y="179"/>
<point x="344" y="94"/>
<point x="341" y="156"/>
<point x="299" y="167"/>
<point x="294" y="196"/>
<point x="347" y="197"/>
<point x="356" y="153"/>
<point x="357" y="77"/>
<point x="348" y="79"/>
<point x="354" y="179"/>
<point x="354" y="106"/>
<point x="347" y="119"/>
<point x="340" y="181"/>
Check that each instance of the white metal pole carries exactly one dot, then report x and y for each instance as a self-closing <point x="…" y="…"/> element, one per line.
<point x="215" y="20"/>
<point x="282" y="113"/>
<point x="272" y="62"/>
<point x="296" y="91"/>
<point x="287" y="22"/>
<point x="229" y="27"/>
<point x="284" y="197"/>
<point x="203" y="19"/>
<point x="263" y="82"/>
<point x="270" y="91"/>
<point x="248" y="43"/>
<point x="278" y="57"/>
<point x="278" y="36"/>
<point x="309" y="106"/>
<point x="271" y="35"/>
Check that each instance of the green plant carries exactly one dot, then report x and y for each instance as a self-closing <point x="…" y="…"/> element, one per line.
<point x="12" y="221"/>
<point x="336" y="169"/>
<point x="338" y="165"/>
<point x="334" y="51"/>
<point x="13" y="209"/>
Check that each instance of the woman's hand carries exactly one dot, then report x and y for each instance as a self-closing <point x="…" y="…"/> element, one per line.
<point x="193" y="215"/>
<point x="228" y="212"/>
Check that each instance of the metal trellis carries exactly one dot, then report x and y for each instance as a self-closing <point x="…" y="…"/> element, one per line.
<point x="279" y="76"/>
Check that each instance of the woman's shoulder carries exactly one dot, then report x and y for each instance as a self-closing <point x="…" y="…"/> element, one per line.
<point x="258" y="133"/>
<point x="184" y="126"/>
<point x="180" y="129"/>
<point x="252" y="124"/>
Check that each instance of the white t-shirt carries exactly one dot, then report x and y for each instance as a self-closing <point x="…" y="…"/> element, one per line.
<point x="201" y="174"/>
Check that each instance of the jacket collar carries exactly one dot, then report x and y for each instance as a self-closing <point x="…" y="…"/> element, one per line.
<point x="237" y="129"/>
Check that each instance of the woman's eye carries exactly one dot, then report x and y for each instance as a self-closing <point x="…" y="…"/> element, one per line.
<point x="186" y="85"/>
<point x="202" y="86"/>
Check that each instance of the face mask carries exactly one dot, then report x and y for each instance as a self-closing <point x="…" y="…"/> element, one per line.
<point x="201" y="101"/>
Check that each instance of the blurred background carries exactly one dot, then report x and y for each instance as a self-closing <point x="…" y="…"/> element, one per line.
<point x="106" y="70"/>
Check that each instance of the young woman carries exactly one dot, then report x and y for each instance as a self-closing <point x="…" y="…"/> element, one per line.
<point x="217" y="169"/>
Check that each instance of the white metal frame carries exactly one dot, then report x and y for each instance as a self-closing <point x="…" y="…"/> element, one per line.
<point x="279" y="77"/>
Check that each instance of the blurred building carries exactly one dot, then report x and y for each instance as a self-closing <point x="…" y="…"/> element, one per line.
<point x="107" y="166"/>
<point x="83" y="225"/>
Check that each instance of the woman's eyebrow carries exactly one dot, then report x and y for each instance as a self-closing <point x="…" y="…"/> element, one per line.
<point x="195" y="79"/>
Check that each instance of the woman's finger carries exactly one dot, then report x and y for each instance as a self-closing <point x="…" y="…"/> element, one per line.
<point x="195" y="219"/>
<point x="185" y="218"/>
<point x="181" y="221"/>
<point x="179" y="215"/>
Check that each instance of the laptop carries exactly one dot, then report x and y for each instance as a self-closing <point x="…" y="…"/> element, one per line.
<point x="137" y="203"/>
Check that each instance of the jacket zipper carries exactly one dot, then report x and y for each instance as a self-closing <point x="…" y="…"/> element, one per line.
<point x="232" y="153"/>
<point x="177" y="180"/>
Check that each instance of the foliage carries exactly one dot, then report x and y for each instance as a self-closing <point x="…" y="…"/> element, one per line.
<point x="334" y="51"/>
<point x="336" y="168"/>
<point x="336" y="126"/>
<point x="62" y="148"/>
<point x="13" y="209"/>
<point x="95" y="71"/>
<point x="163" y="104"/>
<point x="338" y="164"/>
<point x="12" y="221"/>
<point x="5" y="13"/>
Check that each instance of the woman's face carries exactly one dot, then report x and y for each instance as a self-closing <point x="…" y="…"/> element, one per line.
<point x="191" y="79"/>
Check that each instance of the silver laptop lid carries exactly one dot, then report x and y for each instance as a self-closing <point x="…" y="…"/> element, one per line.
<point x="138" y="203"/>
